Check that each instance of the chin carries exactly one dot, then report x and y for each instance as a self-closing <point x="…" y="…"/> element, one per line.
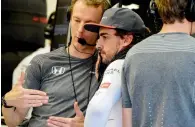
<point x="106" y="61"/>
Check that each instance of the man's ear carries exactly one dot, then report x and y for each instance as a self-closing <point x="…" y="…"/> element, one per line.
<point x="128" y="39"/>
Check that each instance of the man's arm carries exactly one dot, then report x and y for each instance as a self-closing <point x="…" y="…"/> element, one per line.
<point x="127" y="117"/>
<point x="126" y="101"/>
<point x="14" y="117"/>
<point x="23" y="99"/>
<point x="127" y="108"/>
<point x="77" y="121"/>
<point x="106" y="97"/>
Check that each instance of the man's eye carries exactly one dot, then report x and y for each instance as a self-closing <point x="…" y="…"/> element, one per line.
<point x="104" y="37"/>
<point x="76" y="20"/>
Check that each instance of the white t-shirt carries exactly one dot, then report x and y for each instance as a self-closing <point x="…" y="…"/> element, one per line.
<point x="105" y="108"/>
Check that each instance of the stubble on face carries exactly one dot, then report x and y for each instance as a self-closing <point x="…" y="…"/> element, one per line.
<point x="82" y="14"/>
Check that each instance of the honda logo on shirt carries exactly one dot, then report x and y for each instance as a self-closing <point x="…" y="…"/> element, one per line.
<point x="57" y="70"/>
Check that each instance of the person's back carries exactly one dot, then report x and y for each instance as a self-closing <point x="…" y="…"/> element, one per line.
<point x="162" y="91"/>
<point x="159" y="72"/>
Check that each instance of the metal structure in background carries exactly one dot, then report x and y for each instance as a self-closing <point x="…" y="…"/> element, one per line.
<point x="61" y="29"/>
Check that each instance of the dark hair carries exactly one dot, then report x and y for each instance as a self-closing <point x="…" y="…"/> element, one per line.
<point x="136" y="37"/>
<point x="171" y="10"/>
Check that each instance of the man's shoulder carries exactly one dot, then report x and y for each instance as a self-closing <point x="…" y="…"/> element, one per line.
<point x="143" y="43"/>
<point x="164" y="43"/>
<point x="117" y="62"/>
<point x="146" y="40"/>
<point x="57" y="53"/>
<point x="115" y="65"/>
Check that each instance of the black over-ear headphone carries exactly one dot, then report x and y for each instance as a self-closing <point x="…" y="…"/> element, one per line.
<point x="153" y="10"/>
<point x="68" y="15"/>
<point x="49" y="28"/>
<point x="189" y="11"/>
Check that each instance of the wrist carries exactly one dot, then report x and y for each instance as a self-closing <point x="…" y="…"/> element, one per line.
<point x="5" y="101"/>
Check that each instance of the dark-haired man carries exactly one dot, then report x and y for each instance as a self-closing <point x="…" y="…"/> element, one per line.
<point x="118" y="31"/>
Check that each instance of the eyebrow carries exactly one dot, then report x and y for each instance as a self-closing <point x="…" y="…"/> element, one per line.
<point x="75" y="17"/>
<point x="102" y="34"/>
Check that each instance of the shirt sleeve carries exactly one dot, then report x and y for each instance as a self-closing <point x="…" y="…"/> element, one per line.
<point x="106" y="97"/>
<point x="33" y="74"/>
<point x="126" y="101"/>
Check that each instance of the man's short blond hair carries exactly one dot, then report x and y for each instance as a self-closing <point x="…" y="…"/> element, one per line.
<point x="95" y="3"/>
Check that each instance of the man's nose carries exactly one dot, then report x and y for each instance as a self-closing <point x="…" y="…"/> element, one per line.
<point x="100" y="41"/>
<point x="81" y="28"/>
<point x="99" y="47"/>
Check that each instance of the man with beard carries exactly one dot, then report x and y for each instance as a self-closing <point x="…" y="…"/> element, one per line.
<point x="118" y="32"/>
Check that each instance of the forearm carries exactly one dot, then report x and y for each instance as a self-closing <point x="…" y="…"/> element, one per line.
<point x="127" y="117"/>
<point x="14" y="117"/>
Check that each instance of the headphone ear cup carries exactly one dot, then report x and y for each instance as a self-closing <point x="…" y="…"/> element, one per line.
<point x="153" y="10"/>
<point x="68" y="16"/>
<point x="190" y="11"/>
<point x="193" y="12"/>
<point x="48" y="31"/>
<point x="49" y="28"/>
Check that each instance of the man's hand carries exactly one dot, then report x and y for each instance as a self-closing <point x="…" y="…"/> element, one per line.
<point x="77" y="121"/>
<point x="97" y="65"/>
<point x="20" y="97"/>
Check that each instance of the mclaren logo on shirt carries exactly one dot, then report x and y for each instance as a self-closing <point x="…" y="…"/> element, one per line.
<point x="57" y="70"/>
<point x="105" y="85"/>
